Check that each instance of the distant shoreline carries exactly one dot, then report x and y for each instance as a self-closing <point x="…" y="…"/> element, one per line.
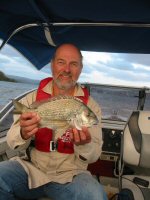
<point x="17" y="79"/>
<point x="3" y="77"/>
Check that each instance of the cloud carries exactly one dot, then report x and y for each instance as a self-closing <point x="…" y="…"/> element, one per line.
<point x="14" y="64"/>
<point x="117" y="69"/>
<point x="143" y="59"/>
<point x="95" y="57"/>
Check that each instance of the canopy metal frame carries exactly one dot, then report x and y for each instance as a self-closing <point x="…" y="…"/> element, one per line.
<point x="83" y="24"/>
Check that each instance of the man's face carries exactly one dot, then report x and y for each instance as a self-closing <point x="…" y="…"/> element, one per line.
<point x="66" y="67"/>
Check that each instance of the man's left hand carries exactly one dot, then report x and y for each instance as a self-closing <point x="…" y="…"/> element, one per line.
<point x="80" y="137"/>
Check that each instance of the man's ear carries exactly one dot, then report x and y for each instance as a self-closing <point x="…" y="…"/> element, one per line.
<point x="51" y="64"/>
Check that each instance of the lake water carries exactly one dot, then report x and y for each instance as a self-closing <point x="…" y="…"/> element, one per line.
<point x="10" y="90"/>
<point x="115" y="102"/>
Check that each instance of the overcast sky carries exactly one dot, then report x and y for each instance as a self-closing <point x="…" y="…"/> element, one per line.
<point x="102" y="68"/>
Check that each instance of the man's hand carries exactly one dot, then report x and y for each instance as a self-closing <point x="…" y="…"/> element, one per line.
<point x="29" y="124"/>
<point x="80" y="137"/>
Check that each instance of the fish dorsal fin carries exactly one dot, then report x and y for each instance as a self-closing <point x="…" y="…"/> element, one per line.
<point x="59" y="97"/>
<point x="65" y="97"/>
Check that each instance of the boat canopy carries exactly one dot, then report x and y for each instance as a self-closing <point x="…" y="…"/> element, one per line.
<point x="35" y="27"/>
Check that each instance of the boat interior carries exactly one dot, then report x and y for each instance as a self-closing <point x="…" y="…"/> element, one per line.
<point x="124" y="159"/>
<point x="34" y="28"/>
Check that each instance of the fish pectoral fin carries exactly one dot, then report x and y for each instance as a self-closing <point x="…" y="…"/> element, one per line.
<point x="77" y="124"/>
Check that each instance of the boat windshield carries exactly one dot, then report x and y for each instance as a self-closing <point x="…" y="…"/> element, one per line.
<point x="114" y="80"/>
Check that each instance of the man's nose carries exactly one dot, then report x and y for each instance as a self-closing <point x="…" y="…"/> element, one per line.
<point x="67" y="67"/>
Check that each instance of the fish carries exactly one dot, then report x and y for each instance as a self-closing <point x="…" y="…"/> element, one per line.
<point x="60" y="113"/>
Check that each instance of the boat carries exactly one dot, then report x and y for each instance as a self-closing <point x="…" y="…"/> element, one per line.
<point x="100" y="26"/>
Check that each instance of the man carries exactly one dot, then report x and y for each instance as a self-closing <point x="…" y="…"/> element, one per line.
<point x="59" y="173"/>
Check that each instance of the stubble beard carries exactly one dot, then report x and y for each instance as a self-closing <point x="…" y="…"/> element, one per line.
<point x="64" y="86"/>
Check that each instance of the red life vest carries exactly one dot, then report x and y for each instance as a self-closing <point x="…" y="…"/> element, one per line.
<point x="43" y="138"/>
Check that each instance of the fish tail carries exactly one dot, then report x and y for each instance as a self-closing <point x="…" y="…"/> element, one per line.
<point x="19" y="108"/>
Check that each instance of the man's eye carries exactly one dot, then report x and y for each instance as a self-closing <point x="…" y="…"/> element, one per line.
<point x="74" y="64"/>
<point x="60" y="62"/>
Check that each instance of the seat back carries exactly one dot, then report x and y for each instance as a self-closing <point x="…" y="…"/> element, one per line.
<point x="136" y="139"/>
<point x="135" y="151"/>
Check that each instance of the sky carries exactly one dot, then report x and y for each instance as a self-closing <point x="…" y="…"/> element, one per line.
<point x="102" y="68"/>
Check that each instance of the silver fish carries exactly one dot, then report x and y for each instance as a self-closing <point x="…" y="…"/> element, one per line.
<point x="60" y="113"/>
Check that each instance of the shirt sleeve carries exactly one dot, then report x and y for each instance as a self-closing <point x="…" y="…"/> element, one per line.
<point x="90" y="152"/>
<point x="14" y="139"/>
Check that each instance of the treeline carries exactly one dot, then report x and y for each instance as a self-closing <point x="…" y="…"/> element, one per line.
<point x="3" y="77"/>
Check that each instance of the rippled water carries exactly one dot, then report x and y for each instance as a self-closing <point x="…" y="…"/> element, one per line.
<point x="10" y="90"/>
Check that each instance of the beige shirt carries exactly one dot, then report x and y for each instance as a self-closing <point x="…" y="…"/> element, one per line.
<point x="54" y="166"/>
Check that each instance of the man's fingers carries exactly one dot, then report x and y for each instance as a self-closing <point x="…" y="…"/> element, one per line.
<point x="29" y="124"/>
<point x="80" y="137"/>
<point x="27" y="115"/>
<point x="33" y="132"/>
<point x="26" y="135"/>
<point x="28" y="119"/>
<point x="76" y="136"/>
<point x="87" y="133"/>
<point x="29" y="128"/>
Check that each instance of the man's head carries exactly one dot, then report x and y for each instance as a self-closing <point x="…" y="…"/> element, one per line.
<point x="66" y="66"/>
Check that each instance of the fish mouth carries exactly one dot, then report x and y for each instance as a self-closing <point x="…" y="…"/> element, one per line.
<point x="95" y="122"/>
<point x="91" y="123"/>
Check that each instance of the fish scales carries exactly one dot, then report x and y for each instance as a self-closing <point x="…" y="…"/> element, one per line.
<point x="59" y="108"/>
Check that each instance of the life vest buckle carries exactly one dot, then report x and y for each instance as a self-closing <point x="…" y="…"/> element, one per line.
<point x="53" y="146"/>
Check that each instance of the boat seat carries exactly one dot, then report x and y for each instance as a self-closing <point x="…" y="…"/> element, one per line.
<point x="135" y="152"/>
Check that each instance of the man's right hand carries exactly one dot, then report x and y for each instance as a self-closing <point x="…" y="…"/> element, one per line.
<point x="29" y="123"/>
